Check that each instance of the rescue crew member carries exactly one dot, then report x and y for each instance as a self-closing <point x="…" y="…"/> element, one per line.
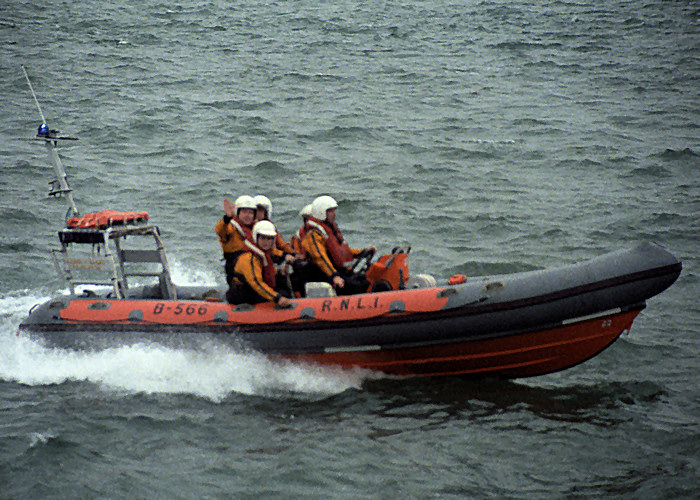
<point x="234" y="229"/>
<point x="328" y="252"/>
<point x="254" y="273"/>
<point x="282" y="250"/>
<point x="263" y="211"/>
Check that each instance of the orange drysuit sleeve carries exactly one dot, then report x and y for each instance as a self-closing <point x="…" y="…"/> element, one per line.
<point x="283" y="245"/>
<point x="230" y="239"/>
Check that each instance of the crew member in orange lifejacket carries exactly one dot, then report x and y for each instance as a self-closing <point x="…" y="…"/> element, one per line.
<point x="282" y="250"/>
<point x="234" y="229"/>
<point x="327" y="251"/>
<point x="254" y="273"/>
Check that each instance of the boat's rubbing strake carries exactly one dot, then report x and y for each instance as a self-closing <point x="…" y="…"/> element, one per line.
<point x="571" y="321"/>
<point x="588" y="317"/>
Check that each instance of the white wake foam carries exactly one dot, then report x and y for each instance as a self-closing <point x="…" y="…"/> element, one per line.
<point x="184" y="276"/>
<point x="212" y="371"/>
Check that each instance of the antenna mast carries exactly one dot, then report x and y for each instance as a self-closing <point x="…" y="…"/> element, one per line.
<point x="59" y="186"/>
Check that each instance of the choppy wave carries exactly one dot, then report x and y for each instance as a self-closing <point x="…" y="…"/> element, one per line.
<point x="17" y="215"/>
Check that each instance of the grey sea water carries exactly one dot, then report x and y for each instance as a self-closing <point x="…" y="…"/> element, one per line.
<point x="492" y="136"/>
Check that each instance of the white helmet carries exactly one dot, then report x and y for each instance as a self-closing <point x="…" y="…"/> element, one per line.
<point x="244" y="201"/>
<point x="263" y="228"/>
<point x="320" y="205"/>
<point x="306" y="211"/>
<point x="264" y="201"/>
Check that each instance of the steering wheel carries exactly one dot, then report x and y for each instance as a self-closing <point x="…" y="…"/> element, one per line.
<point x="364" y="258"/>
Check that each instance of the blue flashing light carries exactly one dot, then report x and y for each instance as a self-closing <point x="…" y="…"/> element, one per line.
<point x="43" y="130"/>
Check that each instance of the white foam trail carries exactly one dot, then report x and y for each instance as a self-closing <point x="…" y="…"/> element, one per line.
<point x="212" y="371"/>
<point x="13" y="308"/>
<point x="188" y="277"/>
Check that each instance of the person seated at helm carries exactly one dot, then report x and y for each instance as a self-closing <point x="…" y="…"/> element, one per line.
<point x="327" y="251"/>
<point x="263" y="211"/>
<point x="234" y="229"/>
<point x="254" y="274"/>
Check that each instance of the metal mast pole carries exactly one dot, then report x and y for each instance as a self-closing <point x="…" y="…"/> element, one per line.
<point x="60" y="185"/>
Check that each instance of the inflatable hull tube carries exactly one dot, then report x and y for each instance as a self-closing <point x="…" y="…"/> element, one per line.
<point x="508" y="326"/>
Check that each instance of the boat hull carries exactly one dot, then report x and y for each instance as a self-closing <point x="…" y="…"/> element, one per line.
<point x="509" y="326"/>
<point x="513" y="356"/>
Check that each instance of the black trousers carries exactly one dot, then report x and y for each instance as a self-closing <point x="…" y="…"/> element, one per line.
<point x="244" y="294"/>
<point x="310" y="272"/>
<point x="230" y="259"/>
<point x="354" y="283"/>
